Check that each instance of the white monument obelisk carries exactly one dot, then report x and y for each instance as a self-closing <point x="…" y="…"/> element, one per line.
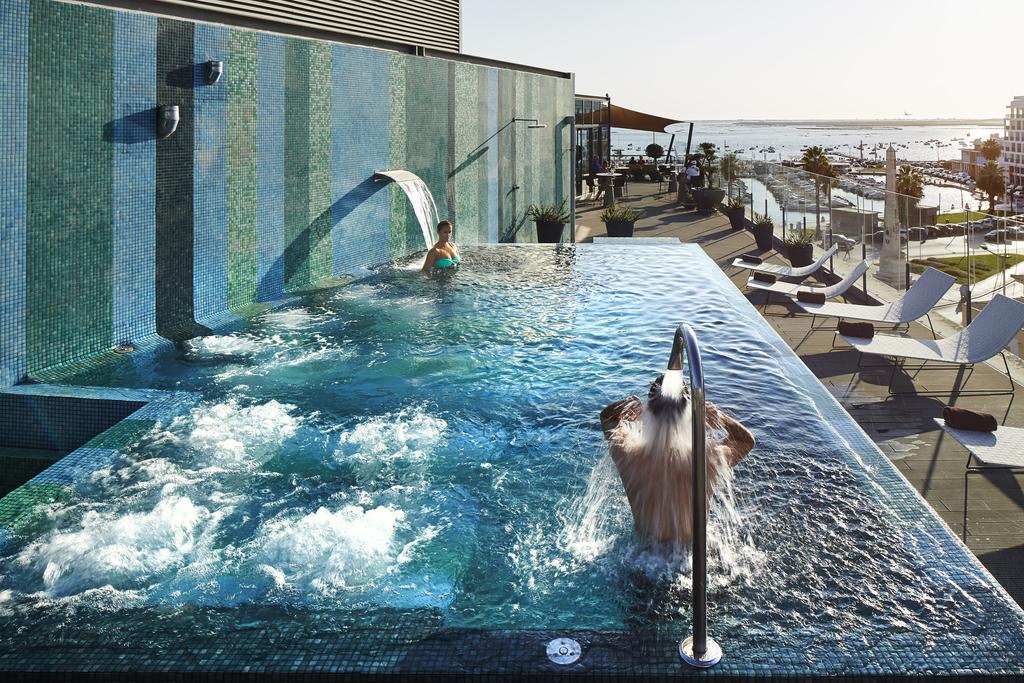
<point x="891" y="268"/>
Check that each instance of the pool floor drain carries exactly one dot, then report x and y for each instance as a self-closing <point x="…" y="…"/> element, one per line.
<point x="563" y="651"/>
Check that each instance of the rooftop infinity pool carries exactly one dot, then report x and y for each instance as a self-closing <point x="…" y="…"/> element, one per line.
<point x="408" y="475"/>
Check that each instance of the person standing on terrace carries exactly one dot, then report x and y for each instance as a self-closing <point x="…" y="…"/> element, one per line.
<point x="444" y="255"/>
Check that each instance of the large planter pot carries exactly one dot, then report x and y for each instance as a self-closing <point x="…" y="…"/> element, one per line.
<point x="549" y="233"/>
<point x="707" y="200"/>
<point x="735" y="216"/>
<point x="620" y="228"/>
<point x="763" y="236"/>
<point x="801" y="255"/>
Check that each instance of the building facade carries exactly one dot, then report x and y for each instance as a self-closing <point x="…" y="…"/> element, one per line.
<point x="1013" y="142"/>
<point x="971" y="159"/>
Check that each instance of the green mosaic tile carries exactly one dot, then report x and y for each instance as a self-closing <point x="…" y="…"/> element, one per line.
<point x="17" y="507"/>
<point x="120" y="436"/>
<point x="320" y="201"/>
<point x="70" y="179"/>
<point x="242" y="284"/>
<point x="296" y="164"/>
<point x="427" y="135"/>
<point x="485" y="127"/>
<point x="397" y="230"/>
<point x="463" y="181"/>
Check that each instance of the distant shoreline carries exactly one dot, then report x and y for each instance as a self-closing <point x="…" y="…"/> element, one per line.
<point x="860" y="123"/>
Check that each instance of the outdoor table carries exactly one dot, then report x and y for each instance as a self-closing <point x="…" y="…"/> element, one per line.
<point x="609" y="191"/>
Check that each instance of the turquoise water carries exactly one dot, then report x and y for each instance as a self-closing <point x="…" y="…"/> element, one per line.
<point x="413" y="455"/>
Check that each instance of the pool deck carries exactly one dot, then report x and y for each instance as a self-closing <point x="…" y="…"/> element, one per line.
<point x="991" y="504"/>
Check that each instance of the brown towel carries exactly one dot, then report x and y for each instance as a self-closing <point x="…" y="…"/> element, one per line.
<point x="810" y="297"/>
<point x="764" y="277"/>
<point x="961" y="418"/>
<point x="862" y="330"/>
<point x="750" y="258"/>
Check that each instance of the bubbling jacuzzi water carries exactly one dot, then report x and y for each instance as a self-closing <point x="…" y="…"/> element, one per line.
<point x="404" y="451"/>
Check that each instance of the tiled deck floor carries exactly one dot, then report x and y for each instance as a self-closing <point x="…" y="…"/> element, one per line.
<point x="903" y="427"/>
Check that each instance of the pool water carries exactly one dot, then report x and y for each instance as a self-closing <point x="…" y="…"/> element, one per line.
<point x="410" y="456"/>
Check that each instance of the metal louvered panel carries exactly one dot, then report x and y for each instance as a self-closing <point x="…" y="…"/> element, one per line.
<point x="433" y="24"/>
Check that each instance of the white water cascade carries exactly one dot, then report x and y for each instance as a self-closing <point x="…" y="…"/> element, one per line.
<point x="419" y="196"/>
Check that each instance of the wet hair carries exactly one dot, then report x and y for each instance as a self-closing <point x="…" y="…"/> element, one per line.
<point x="444" y="223"/>
<point x="659" y="404"/>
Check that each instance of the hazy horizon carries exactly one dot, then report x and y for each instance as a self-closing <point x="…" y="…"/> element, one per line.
<point x="796" y="60"/>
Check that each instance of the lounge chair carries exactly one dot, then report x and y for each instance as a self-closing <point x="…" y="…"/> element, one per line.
<point x="1002" y="449"/>
<point x="986" y="336"/>
<point x="791" y="289"/>
<point x="781" y="271"/>
<point x="915" y="303"/>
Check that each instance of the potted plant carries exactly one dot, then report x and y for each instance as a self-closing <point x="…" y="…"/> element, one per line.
<point x="734" y="210"/>
<point x="708" y="197"/>
<point x="800" y="247"/>
<point x="763" y="229"/>
<point x="619" y="220"/>
<point x="550" y="220"/>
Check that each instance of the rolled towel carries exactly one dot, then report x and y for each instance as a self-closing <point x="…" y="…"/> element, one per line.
<point x="750" y="258"/>
<point x="764" y="277"/>
<point x="862" y="330"/>
<point x="961" y="418"/>
<point x="810" y="297"/>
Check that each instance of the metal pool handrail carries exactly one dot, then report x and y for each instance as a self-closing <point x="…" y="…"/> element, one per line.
<point x="698" y="650"/>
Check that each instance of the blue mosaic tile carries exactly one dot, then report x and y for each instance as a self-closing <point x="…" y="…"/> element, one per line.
<point x="134" y="180"/>
<point x="13" y="141"/>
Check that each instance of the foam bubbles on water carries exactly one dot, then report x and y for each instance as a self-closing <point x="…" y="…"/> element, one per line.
<point x="409" y="434"/>
<point x="327" y="551"/>
<point x="231" y="433"/>
<point x="124" y="551"/>
<point x="228" y="345"/>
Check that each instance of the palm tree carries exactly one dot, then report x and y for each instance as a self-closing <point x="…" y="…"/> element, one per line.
<point x="991" y="149"/>
<point x="991" y="182"/>
<point x="729" y="168"/>
<point x="815" y="161"/>
<point x="910" y="186"/>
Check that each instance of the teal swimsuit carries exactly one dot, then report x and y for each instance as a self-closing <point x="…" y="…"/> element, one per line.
<point x="446" y="263"/>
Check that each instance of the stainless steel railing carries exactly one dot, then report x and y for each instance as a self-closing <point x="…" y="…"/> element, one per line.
<point x="698" y="650"/>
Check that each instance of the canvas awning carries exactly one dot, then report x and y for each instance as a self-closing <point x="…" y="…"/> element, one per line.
<point x="627" y="118"/>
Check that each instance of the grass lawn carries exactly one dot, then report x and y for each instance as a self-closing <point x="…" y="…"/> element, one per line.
<point x="985" y="265"/>
<point x="958" y="217"/>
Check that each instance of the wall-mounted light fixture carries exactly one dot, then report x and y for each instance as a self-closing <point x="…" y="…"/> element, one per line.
<point x="167" y="117"/>
<point x="214" y="70"/>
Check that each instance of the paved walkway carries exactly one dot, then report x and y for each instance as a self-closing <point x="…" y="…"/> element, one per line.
<point x="903" y="427"/>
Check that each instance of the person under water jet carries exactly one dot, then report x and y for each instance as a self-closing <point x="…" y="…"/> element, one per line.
<point x="444" y="255"/>
<point x="650" y="444"/>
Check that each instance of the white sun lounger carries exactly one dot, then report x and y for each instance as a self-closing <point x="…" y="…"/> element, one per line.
<point x="779" y="270"/>
<point x="791" y="289"/>
<point x="915" y="303"/>
<point x="986" y="336"/>
<point x="1001" y="449"/>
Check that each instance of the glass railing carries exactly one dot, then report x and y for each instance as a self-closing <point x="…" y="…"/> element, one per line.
<point x="948" y="227"/>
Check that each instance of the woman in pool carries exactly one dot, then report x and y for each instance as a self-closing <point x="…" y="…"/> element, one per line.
<point x="444" y="255"/>
<point x="650" y="444"/>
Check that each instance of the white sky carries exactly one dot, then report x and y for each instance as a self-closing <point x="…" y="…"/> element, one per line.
<point x="754" y="59"/>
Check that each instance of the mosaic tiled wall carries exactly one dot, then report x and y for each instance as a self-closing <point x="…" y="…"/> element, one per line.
<point x="110" y="236"/>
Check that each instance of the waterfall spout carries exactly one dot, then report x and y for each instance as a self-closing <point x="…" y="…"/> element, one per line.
<point x="419" y="196"/>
